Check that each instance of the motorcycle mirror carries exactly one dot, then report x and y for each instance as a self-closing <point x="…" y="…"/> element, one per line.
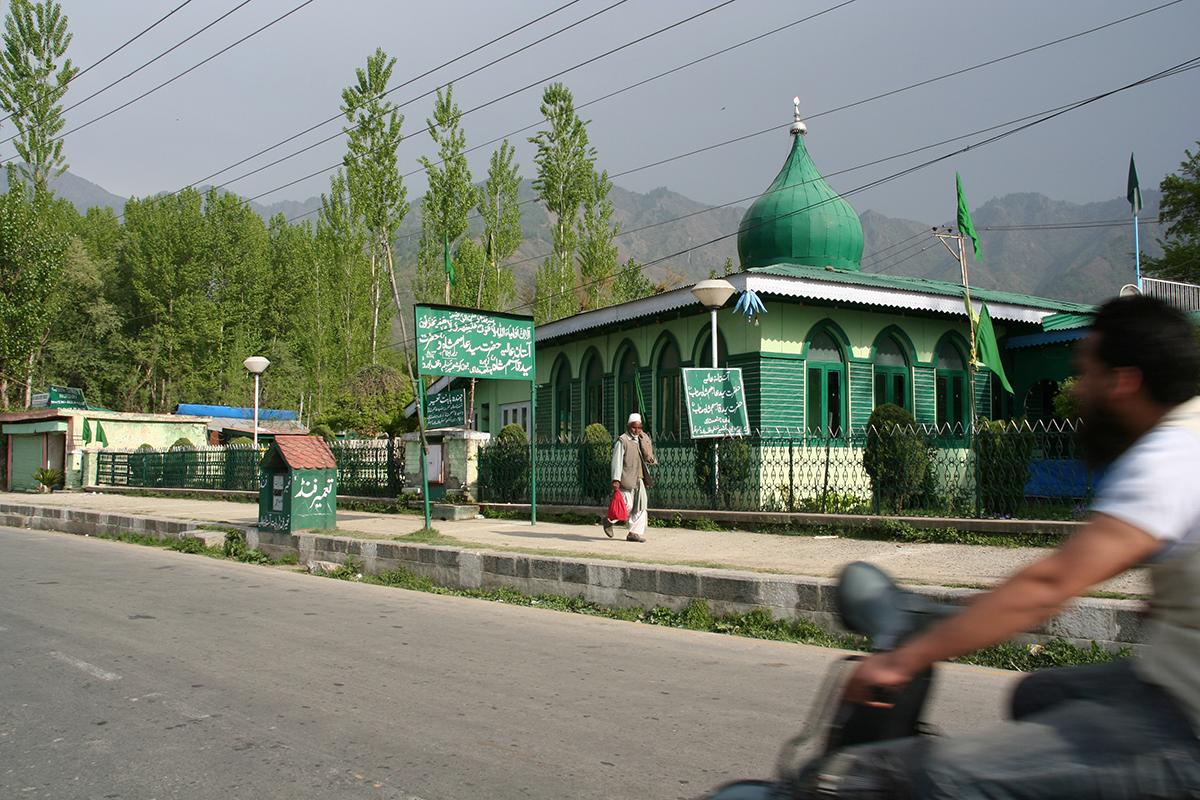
<point x="872" y="605"/>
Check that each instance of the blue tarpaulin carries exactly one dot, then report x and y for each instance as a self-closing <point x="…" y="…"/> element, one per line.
<point x="229" y="412"/>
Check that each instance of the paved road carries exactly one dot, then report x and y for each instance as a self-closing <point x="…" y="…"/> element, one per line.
<point x="796" y="555"/>
<point x="132" y="672"/>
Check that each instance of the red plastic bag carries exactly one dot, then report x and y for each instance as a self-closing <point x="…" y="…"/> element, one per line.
<point x="617" y="512"/>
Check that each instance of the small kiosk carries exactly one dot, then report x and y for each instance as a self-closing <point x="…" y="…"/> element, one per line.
<point x="299" y="485"/>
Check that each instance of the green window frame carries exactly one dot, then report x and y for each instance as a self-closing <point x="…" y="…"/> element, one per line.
<point x="669" y="394"/>
<point x="562" y="403"/>
<point x="593" y="392"/>
<point x="825" y="388"/>
<point x="627" y="396"/>
<point x="950" y="390"/>
<point x="892" y="375"/>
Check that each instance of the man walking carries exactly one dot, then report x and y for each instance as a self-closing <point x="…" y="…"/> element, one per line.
<point x="632" y="452"/>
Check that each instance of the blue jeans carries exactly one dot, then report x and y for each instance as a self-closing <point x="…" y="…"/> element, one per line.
<point x="1097" y="731"/>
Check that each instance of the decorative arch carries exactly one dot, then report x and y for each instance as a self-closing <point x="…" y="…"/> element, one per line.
<point x="892" y="380"/>
<point x="702" y="348"/>
<point x="560" y="377"/>
<point x="952" y="401"/>
<point x="826" y="392"/>
<point x="626" y="369"/>
<point x="591" y="375"/>
<point x="668" y="386"/>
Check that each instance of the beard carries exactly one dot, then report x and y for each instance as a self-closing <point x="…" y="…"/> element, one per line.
<point x="1102" y="437"/>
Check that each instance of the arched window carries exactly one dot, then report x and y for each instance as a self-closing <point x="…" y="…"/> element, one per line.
<point x="669" y="396"/>
<point x="826" y="378"/>
<point x="627" y="388"/>
<point x="704" y="351"/>
<point x="1039" y="401"/>
<point x="593" y="392"/>
<point x="562" y="402"/>
<point x="951" y="388"/>
<point x="891" y="375"/>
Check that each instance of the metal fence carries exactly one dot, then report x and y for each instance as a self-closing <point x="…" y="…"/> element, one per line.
<point x="995" y="470"/>
<point x="366" y="468"/>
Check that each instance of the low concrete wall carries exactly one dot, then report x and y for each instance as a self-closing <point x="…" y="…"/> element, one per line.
<point x="1111" y="623"/>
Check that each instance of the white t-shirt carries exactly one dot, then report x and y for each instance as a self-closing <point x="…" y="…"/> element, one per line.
<point x="1155" y="486"/>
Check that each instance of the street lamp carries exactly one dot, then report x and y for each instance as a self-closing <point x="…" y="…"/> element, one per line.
<point x="257" y="365"/>
<point x="712" y="294"/>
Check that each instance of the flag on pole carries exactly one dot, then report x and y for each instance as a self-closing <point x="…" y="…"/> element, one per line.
<point x="87" y="432"/>
<point x="986" y="348"/>
<point x="965" y="226"/>
<point x="449" y="266"/>
<point x="1133" y="191"/>
<point x="100" y="437"/>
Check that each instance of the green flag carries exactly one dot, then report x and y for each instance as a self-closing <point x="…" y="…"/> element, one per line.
<point x="986" y="349"/>
<point x="1132" y="190"/>
<point x="100" y="437"/>
<point x="449" y="265"/>
<point x="965" y="226"/>
<point x="87" y="432"/>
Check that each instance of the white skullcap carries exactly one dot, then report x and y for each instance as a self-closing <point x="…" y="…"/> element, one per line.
<point x="634" y="417"/>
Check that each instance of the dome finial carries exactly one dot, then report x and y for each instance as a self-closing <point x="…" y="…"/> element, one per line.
<point x="798" y="128"/>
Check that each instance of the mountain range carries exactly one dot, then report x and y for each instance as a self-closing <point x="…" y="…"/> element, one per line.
<point x="1030" y="244"/>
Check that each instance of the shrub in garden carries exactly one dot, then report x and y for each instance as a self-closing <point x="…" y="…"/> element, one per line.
<point x="324" y="431"/>
<point x="1003" y="449"/>
<point x="736" y="463"/>
<point x="896" y="456"/>
<point x="595" y="462"/>
<point x="182" y="441"/>
<point x="504" y="464"/>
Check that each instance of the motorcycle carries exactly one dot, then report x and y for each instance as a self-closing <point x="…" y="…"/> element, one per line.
<point x="870" y="604"/>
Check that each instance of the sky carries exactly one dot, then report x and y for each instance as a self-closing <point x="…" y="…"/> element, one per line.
<point x="733" y="106"/>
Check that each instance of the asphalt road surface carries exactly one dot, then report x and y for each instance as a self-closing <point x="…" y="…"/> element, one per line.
<point x="133" y="672"/>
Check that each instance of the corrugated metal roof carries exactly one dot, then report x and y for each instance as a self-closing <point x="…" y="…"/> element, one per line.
<point x="831" y="285"/>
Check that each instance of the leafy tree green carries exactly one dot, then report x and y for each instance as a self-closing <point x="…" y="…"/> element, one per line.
<point x="630" y="283"/>
<point x="597" y="253"/>
<point x="371" y="402"/>
<point x="445" y="206"/>
<point x="377" y="191"/>
<point x="1180" y="211"/>
<point x="501" y="212"/>
<point x="896" y="456"/>
<point x="32" y="84"/>
<point x="565" y="178"/>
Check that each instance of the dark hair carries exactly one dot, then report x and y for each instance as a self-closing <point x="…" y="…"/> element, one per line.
<point x="1155" y="337"/>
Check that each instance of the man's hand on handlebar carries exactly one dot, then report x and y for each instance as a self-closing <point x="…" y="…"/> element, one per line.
<point x="876" y="677"/>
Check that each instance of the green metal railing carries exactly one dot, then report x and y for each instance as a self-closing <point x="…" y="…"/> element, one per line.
<point x="366" y="468"/>
<point x="997" y="470"/>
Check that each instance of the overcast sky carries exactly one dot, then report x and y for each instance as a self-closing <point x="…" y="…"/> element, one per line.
<point x="289" y="77"/>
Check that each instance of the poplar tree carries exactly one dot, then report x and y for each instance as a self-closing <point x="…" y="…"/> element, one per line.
<point x="501" y="213"/>
<point x="445" y="207"/>
<point x="597" y="253"/>
<point x="565" y="178"/>
<point x="377" y="192"/>
<point x="32" y="84"/>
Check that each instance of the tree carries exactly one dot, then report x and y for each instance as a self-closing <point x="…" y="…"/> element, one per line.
<point x="1180" y="210"/>
<point x="445" y="206"/>
<point x="631" y="284"/>
<point x="344" y="284"/>
<point x="597" y="253"/>
<point x="565" y="178"/>
<point x="501" y="212"/>
<point x="377" y="192"/>
<point x="31" y="85"/>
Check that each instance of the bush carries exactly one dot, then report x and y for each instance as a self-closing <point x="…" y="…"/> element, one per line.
<point x="595" y="462"/>
<point x="504" y="466"/>
<point x="896" y="456"/>
<point x="324" y="431"/>
<point x="736" y="465"/>
<point x="241" y="440"/>
<point x="1066" y="405"/>
<point x="182" y="441"/>
<point x="1003" y="452"/>
<point x="145" y="446"/>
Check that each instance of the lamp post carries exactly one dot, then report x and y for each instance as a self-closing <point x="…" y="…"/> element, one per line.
<point x="257" y="365"/>
<point x="712" y="294"/>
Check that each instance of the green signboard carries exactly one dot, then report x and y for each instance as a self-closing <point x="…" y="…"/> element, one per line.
<point x="58" y="397"/>
<point x="716" y="403"/>
<point x="446" y="409"/>
<point x="464" y="342"/>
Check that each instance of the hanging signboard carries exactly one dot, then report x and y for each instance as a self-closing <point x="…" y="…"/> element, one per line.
<point x="58" y="397"/>
<point x="446" y="409"/>
<point x="463" y="342"/>
<point x="716" y="403"/>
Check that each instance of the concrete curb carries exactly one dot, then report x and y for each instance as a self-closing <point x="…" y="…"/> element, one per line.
<point x="1112" y="624"/>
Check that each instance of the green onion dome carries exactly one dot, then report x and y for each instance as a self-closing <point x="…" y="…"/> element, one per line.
<point x="800" y="219"/>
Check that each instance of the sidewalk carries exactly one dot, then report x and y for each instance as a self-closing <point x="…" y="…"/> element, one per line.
<point x="932" y="564"/>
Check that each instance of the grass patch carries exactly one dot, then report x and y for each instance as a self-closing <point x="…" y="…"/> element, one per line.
<point x="430" y="536"/>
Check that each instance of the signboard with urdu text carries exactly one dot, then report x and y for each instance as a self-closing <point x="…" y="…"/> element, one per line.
<point x="446" y="409"/>
<point x="716" y="403"/>
<point x="464" y="342"/>
<point x="58" y="397"/>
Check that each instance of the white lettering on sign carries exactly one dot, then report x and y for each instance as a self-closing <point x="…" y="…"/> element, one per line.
<point x="474" y="344"/>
